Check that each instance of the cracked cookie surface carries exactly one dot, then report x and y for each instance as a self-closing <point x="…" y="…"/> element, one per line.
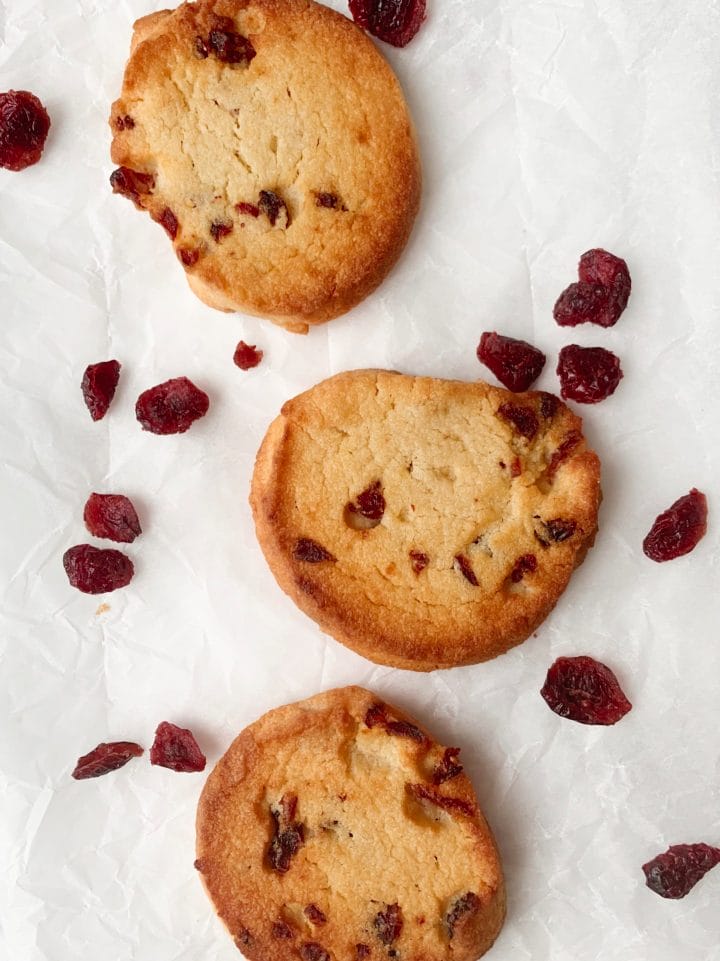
<point x="424" y="523"/>
<point x="338" y="829"/>
<point x="272" y="142"/>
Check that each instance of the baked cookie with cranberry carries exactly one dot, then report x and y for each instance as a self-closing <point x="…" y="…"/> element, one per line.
<point x="424" y="523"/>
<point x="272" y="142"/>
<point x="338" y="829"/>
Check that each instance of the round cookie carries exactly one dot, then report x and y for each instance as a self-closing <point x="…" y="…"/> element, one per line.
<point x="337" y="829"/>
<point x="272" y="141"/>
<point x="424" y="523"/>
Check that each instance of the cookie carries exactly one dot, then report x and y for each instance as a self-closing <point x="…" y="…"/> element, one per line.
<point x="424" y="523"/>
<point x="272" y="142"/>
<point x="338" y="829"/>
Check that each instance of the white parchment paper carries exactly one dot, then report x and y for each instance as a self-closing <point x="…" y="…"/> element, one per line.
<point x="546" y="128"/>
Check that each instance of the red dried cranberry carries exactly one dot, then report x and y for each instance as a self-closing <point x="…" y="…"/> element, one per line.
<point x="567" y="446"/>
<point x="281" y="931"/>
<point x="549" y="405"/>
<point x="588" y="374"/>
<point x="273" y="207"/>
<point x="584" y="690"/>
<point x="171" y="407"/>
<point x="176" y="748"/>
<point x="327" y="200"/>
<point x="675" y="872"/>
<point x="422" y="793"/>
<point x="466" y="904"/>
<point x="600" y="267"/>
<point x="388" y="924"/>
<point x="582" y="304"/>
<point x="98" y="386"/>
<point x="312" y="951"/>
<point x="376" y="715"/>
<point x="394" y="21"/>
<point x="515" y="363"/>
<point x="24" y="126"/>
<point x="243" y="939"/>
<point x="247" y="356"/>
<point x="448" y="767"/>
<point x="516" y="467"/>
<point x="362" y="951"/>
<point x="419" y="561"/>
<point x="104" y="758"/>
<point x="124" y="123"/>
<point x="679" y="529"/>
<point x="288" y="834"/>
<point x="112" y="516"/>
<point x="465" y="568"/>
<point x="313" y="913"/>
<point x="310" y="551"/>
<point x="218" y="230"/>
<point x="169" y="221"/>
<point x="95" y="571"/>
<point x="523" y="419"/>
<point x="527" y="564"/>
<point x="249" y="209"/>
<point x="132" y="184"/>
<point x="370" y="503"/>
<point x="560" y="530"/>
<point x="405" y="729"/>
<point x="230" y="47"/>
<point x="189" y="256"/>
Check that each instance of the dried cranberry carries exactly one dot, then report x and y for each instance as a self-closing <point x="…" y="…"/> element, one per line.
<point x="312" y="951"/>
<point x="112" y="516"/>
<point x="370" y="503"/>
<point x="104" y="758"/>
<point x="132" y="184"/>
<point x="98" y="386"/>
<point x="584" y="690"/>
<point x="313" y="913"/>
<point x="247" y="356"/>
<point x="274" y="207"/>
<point x="523" y="419"/>
<point x="219" y="230"/>
<point x="559" y="456"/>
<point x="230" y="47"/>
<point x="419" y="561"/>
<point x="394" y="21"/>
<point x="679" y="529"/>
<point x="549" y="405"/>
<point x="405" y="729"/>
<point x="327" y="200"/>
<point x="560" y="530"/>
<point x="448" y="767"/>
<point x="466" y="904"/>
<point x="362" y="951"/>
<point x="124" y="123"/>
<point x="169" y="221"/>
<point x="465" y="568"/>
<point x="376" y="715"/>
<point x="288" y="834"/>
<point x="600" y="267"/>
<point x="176" y="748"/>
<point x="95" y="571"/>
<point x="281" y="931"/>
<point x="189" y="256"/>
<point x="171" y="407"/>
<point x="422" y="793"/>
<point x="250" y="209"/>
<point x="516" y="467"/>
<point x="24" y="126"/>
<point x="388" y="924"/>
<point x="588" y="374"/>
<point x="582" y="304"/>
<point x="243" y="939"/>
<point x="527" y="564"/>
<point x="310" y="551"/>
<point x="675" y="872"/>
<point x="515" y="363"/>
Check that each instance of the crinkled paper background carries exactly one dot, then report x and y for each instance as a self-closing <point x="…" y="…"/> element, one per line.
<point x="546" y="128"/>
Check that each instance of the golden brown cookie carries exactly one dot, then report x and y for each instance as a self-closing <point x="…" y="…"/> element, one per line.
<point x="272" y="141"/>
<point x="425" y="523"/>
<point x="337" y="829"/>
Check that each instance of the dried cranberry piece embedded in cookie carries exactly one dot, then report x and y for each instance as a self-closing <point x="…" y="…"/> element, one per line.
<point x="584" y="690"/>
<point x="98" y="387"/>
<point x="462" y="908"/>
<point x="679" y="529"/>
<point x="515" y="363"/>
<point x="97" y="571"/>
<point x="132" y="184"/>
<point x="171" y="407"/>
<point x="523" y="419"/>
<point x="588" y="374"/>
<point x="288" y="834"/>
<point x="675" y="872"/>
<point x="112" y="516"/>
<point x="388" y="924"/>
<point x="367" y="510"/>
<point x="274" y="207"/>
<point x="227" y="46"/>
<point x="394" y="21"/>
<point x="310" y="551"/>
<point x="167" y="219"/>
<point x="176" y="748"/>
<point x="24" y="126"/>
<point x="106" y="757"/>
